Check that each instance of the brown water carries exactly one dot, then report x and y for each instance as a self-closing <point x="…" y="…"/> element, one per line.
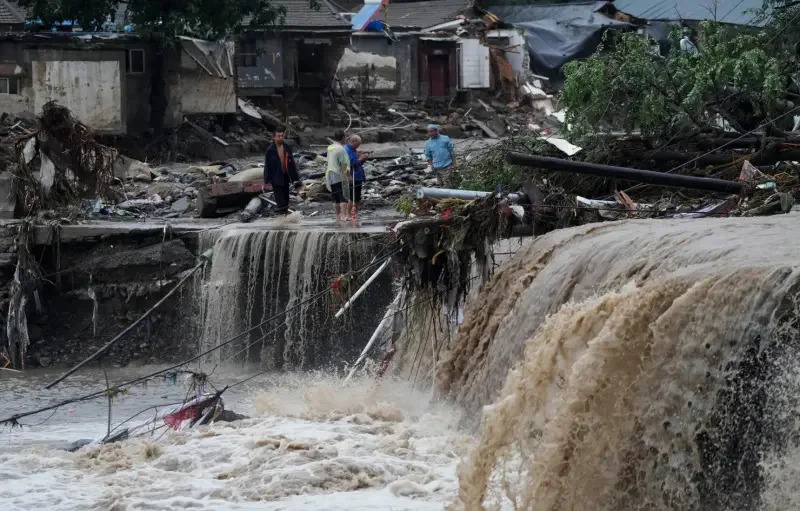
<point x="635" y="365"/>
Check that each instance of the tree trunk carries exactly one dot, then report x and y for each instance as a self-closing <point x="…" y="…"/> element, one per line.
<point x="158" y="90"/>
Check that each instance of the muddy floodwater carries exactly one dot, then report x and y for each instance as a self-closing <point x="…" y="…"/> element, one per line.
<point x="310" y="443"/>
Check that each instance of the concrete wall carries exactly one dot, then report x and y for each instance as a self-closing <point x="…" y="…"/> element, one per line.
<point x="404" y="53"/>
<point x="96" y="84"/>
<point x="92" y="90"/>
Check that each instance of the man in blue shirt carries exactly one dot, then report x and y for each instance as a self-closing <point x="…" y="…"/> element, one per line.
<point x="440" y="154"/>
<point x="356" y="170"/>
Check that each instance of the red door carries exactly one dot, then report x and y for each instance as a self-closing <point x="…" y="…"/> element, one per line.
<point x="439" y="67"/>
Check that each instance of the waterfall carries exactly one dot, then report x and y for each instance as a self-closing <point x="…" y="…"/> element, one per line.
<point x="635" y="365"/>
<point x="257" y="274"/>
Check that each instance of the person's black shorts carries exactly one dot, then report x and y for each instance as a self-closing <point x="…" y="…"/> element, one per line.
<point x="338" y="194"/>
<point x="357" y="192"/>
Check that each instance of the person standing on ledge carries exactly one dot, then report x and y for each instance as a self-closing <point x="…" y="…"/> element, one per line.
<point x="440" y="154"/>
<point x="337" y="176"/>
<point x="280" y="170"/>
<point x="357" y="170"/>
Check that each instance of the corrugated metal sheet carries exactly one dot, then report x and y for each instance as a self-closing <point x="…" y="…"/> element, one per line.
<point x="474" y="64"/>
<point x="727" y="11"/>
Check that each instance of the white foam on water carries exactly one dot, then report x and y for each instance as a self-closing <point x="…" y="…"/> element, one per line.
<point x="313" y="444"/>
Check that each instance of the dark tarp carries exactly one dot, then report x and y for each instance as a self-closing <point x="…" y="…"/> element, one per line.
<point x="558" y="33"/>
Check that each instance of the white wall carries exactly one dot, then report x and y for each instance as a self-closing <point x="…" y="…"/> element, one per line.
<point x="380" y="70"/>
<point x="475" y="70"/>
<point x="91" y="90"/>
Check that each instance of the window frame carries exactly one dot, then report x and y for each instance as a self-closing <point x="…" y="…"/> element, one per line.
<point x="243" y="58"/>
<point x="9" y="80"/>
<point x="129" y="66"/>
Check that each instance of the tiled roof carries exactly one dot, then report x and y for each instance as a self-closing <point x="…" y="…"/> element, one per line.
<point x="299" y="15"/>
<point x="424" y="14"/>
<point x="11" y="12"/>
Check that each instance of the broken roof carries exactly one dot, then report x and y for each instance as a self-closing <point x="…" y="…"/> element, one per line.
<point x="419" y="15"/>
<point x="299" y="16"/>
<point x="726" y="11"/>
<point x="11" y="12"/>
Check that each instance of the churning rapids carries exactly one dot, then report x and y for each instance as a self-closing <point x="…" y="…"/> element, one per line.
<point x="631" y="365"/>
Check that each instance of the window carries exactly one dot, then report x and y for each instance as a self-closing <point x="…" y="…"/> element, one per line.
<point x="135" y="61"/>
<point x="9" y="85"/>
<point x="248" y="53"/>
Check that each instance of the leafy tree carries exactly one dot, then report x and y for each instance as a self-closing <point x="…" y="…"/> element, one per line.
<point x="161" y="22"/>
<point x="737" y="75"/>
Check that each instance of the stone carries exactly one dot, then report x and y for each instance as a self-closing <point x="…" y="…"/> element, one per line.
<point x="143" y="177"/>
<point x="180" y="205"/>
<point x="137" y="205"/>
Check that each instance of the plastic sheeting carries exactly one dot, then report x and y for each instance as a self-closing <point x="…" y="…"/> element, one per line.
<point x="558" y="33"/>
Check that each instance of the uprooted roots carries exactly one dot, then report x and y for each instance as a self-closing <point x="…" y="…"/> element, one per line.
<point x="69" y="161"/>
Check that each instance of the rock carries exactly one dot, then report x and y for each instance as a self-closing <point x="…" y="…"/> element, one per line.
<point x="251" y="174"/>
<point x="393" y="190"/>
<point x="209" y="170"/>
<point x="164" y="189"/>
<point x="44" y="360"/>
<point x="157" y="200"/>
<point x="143" y="177"/>
<point x="128" y="168"/>
<point x="137" y="205"/>
<point x="390" y="152"/>
<point x="180" y="205"/>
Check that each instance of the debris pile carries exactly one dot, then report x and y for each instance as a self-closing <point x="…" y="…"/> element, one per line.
<point x="60" y="162"/>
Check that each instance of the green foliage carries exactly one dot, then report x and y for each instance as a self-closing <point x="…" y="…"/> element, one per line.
<point x="488" y="170"/>
<point x="629" y="87"/>
<point x="162" y="21"/>
<point x="405" y="205"/>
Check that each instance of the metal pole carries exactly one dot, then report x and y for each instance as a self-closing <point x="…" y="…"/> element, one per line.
<point x="362" y="288"/>
<point x="450" y="193"/>
<point x="381" y="326"/>
<point x="638" y="175"/>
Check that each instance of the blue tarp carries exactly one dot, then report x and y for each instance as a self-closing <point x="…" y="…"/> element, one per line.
<point x="365" y="15"/>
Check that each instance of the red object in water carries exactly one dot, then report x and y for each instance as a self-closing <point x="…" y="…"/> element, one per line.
<point x="174" y="420"/>
<point x="385" y="362"/>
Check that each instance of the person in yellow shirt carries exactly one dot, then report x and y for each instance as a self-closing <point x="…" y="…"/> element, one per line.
<point x="337" y="176"/>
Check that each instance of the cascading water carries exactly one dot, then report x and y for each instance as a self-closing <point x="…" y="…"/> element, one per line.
<point x="258" y="274"/>
<point x="635" y="365"/>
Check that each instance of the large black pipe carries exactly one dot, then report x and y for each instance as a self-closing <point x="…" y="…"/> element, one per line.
<point x="637" y="175"/>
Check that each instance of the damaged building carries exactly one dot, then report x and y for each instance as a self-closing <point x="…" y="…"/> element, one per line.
<point x="296" y="61"/>
<point x="428" y="49"/>
<point x="104" y="77"/>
